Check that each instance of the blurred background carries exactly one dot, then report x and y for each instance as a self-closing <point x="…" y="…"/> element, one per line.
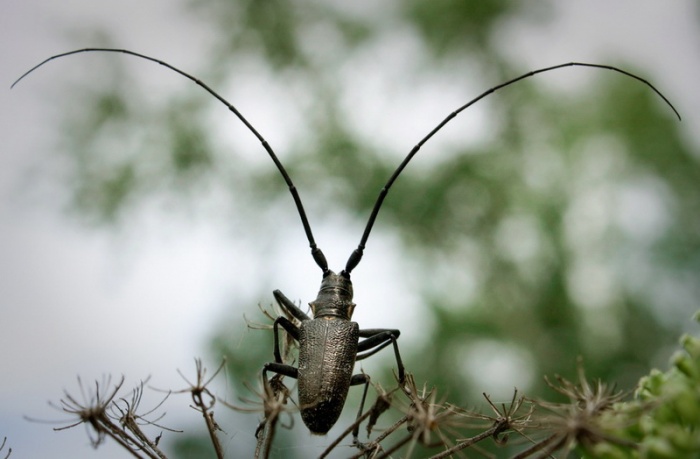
<point x="140" y="221"/>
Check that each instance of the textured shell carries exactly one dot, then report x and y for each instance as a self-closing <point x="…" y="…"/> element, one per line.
<point x="328" y="347"/>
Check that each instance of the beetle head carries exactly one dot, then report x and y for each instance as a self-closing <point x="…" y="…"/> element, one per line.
<point x="334" y="297"/>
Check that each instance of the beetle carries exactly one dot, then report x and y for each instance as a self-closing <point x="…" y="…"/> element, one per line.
<point x="330" y="342"/>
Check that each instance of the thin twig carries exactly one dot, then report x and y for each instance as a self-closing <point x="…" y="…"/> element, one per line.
<point x="265" y="437"/>
<point x="2" y="445"/>
<point x="345" y="433"/>
<point x="468" y="442"/>
<point x="198" y="391"/>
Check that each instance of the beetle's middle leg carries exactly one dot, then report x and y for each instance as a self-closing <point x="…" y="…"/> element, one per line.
<point x="376" y="340"/>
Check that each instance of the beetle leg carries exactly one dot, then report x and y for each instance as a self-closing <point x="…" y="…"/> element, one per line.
<point x="287" y="304"/>
<point x="356" y="380"/>
<point x="280" y="369"/>
<point x="278" y="366"/>
<point x="370" y="332"/>
<point x="290" y="328"/>
<point x="378" y="339"/>
<point x="274" y="388"/>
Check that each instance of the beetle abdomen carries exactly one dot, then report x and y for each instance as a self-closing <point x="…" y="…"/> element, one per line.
<point x="328" y="347"/>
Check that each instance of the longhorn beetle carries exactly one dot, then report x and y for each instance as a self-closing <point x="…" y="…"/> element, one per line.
<point x="329" y="343"/>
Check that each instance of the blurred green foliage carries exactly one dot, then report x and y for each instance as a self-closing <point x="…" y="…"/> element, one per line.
<point x="571" y="228"/>
<point x="663" y="420"/>
<point x="670" y="428"/>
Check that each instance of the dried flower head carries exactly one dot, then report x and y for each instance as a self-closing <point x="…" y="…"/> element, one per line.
<point x="126" y="413"/>
<point x="204" y="401"/>
<point x="92" y="410"/>
<point x="428" y="422"/>
<point x="580" y="421"/>
<point x="272" y="400"/>
<point x="515" y="416"/>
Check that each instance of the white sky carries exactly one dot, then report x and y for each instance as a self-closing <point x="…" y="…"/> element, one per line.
<point x="79" y="302"/>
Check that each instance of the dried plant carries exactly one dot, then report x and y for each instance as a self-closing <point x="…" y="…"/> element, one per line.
<point x="204" y="401"/>
<point x="273" y="396"/>
<point x="2" y="445"/>
<point x="594" y="420"/>
<point x="580" y="421"/>
<point x="121" y="419"/>
<point x="92" y="409"/>
<point x="129" y="419"/>
<point x="423" y="420"/>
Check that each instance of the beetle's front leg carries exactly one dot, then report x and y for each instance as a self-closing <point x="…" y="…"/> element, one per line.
<point x="272" y="388"/>
<point x="289" y="307"/>
<point x="290" y="328"/>
<point x="287" y="304"/>
<point x="278" y="366"/>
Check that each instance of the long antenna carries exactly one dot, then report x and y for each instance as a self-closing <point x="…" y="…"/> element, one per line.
<point x="356" y="255"/>
<point x="316" y="252"/>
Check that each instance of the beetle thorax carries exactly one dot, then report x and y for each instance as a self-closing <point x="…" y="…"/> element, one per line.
<point x="334" y="298"/>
